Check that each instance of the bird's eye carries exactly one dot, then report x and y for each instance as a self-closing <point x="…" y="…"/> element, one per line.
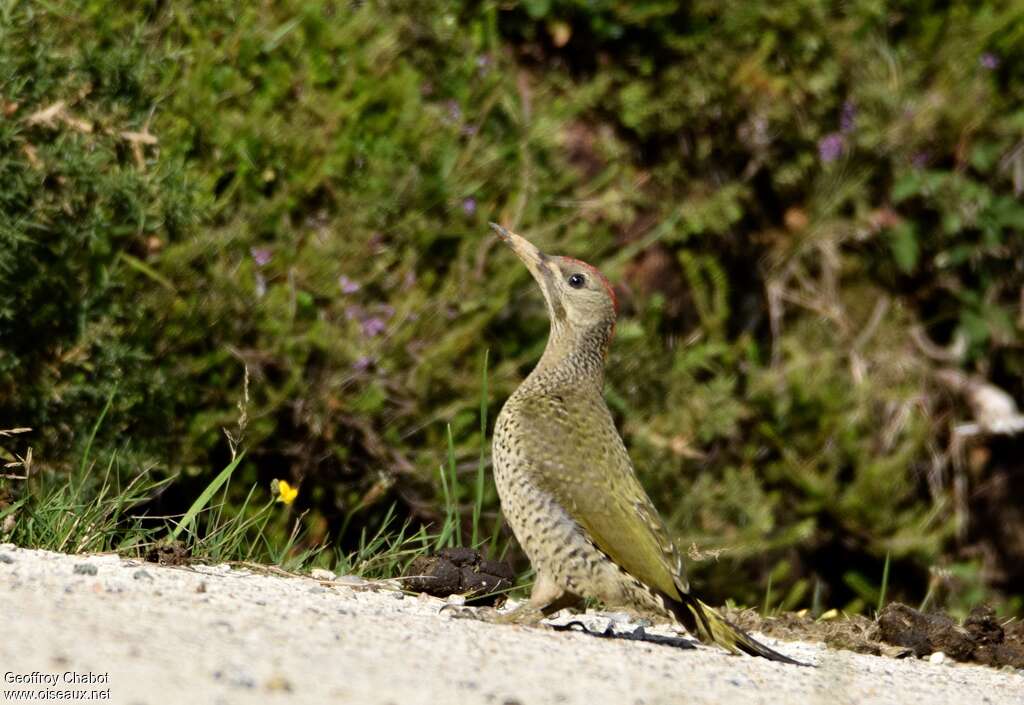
<point x="576" y="281"/>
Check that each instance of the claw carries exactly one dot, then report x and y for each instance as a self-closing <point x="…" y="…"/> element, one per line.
<point x="638" y="634"/>
<point x="608" y="632"/>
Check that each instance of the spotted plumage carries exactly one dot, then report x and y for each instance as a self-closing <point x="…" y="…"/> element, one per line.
<point x="566" y="483"/>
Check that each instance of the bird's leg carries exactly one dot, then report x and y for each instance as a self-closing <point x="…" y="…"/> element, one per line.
<point x="546" y="598"/>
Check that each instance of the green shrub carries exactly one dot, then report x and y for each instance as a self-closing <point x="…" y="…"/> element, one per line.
<point x="83" y="200"/>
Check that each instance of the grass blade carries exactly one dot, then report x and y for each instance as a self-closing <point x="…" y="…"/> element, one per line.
<point x="203" y="499"/>
<point x="479" y="499"/>
<point x="95" y="430"/>
<point x="451" y="518"/>
<point x="885" y="583"/>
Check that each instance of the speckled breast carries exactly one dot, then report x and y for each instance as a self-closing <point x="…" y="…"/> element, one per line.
<point x="551" y="539"/>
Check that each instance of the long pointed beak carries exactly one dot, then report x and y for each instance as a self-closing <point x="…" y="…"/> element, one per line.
<point x="536" y="261"/>
<point x="542" y="267"/>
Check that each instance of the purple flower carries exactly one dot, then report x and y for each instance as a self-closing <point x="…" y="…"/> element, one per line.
<point x="373" y="326"/>
<point x="347" y="285"/>
<point x="260" y="255"/>
<point x="831" y="147"/>
<point x="483" y="64"/>
<point x="469" y="206"/>
<point x="848" y="117"/>
<point x="454" y="111"/>
<point x="362" y="363"/>
<point x="989" y="61"/>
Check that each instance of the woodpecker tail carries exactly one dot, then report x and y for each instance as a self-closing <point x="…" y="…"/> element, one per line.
<point x="704" y="622"/>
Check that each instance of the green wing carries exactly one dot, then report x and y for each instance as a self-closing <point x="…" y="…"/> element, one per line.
<point x="574" y="453"/>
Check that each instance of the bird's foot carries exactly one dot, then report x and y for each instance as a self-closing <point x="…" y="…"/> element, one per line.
<point x="524" y="615"/>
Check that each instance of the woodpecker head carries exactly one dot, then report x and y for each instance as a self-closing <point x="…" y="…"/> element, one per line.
<point x="580" y="300"/>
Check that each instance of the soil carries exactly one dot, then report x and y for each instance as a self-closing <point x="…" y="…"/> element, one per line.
<point x="901" y="631"/>
<point x="461" y="571"/>
<point x="169" y="553"/>
<point x="852" y="632"/>
<point x="981" y="638"/>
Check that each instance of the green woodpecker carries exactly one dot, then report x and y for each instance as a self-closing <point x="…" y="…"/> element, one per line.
<point x="566" y="483"/>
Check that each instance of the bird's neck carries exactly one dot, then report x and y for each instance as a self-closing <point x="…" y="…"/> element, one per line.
<point x="573" y="358"/>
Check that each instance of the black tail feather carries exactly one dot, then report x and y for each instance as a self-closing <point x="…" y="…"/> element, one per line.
<point x="704" y="622"/>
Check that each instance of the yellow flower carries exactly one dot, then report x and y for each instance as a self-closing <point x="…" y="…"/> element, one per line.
<point x="286" y="494"/>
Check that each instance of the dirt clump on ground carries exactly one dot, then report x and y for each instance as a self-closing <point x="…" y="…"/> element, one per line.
<point x="901" y="631"/>
<point x="168" y="553"/>
<point x="981" y="638"/>
<point x="460" y="571"/>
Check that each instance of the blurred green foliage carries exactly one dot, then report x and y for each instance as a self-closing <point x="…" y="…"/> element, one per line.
<point x="784" y="192"/>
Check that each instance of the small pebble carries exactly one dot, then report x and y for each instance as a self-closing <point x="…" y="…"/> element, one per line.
<point x="937" y="657"/>
<point x="236" y="678"/>
<point x="4" y="558"/>
<point x="456" y="600"/>
<point x="141" y="574"/>
<point x="85" y="569"/>
<point x="321" y="574"/>
<point x="623" y="618"/>
<point x="398" y="595"/>
<point x="278" y="684"/>
<point x="351" y="580"/>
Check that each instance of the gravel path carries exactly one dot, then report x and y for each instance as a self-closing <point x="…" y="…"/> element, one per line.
<point x="153" y="635"/>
